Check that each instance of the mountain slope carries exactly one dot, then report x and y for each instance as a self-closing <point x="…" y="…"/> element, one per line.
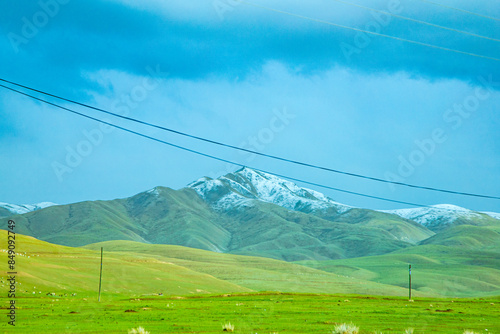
<point x="159" y="216"/>
<point x="468" y="237"/>
<point x="493" y="215"/>
<point x="337" y="230"/>
<point x="249" y="213"/>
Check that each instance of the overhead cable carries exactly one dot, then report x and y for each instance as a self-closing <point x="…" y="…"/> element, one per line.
<point x="251" y="151"/>
<point x="369" y="32"/>
<point x="417" y="21"/>
<point x="208" y="155"/>
<point x="461" y="10"/>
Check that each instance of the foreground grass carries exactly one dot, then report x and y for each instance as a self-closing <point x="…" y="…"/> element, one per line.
<point x="252" y="313"/>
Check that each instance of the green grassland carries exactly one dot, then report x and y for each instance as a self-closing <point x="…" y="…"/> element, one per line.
<point x="253" y="313"/>
<point x="437" y="270"/>
<point x="174" y="289"/>
<point x="135" y="269"/>
<point x="462" y="261"/>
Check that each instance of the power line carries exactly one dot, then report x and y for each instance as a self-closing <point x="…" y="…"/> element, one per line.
<point x="369" y="32"/>
<point x="251" y="151"/>
<point x="417" y="21"/>
<point x="209" y="155"/>
<point x="461" y="10"/>
<point x="220" y="159"/>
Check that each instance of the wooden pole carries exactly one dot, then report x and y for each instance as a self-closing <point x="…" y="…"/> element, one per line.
<point x="409" y="279"/>
<point x="100" y="279"/>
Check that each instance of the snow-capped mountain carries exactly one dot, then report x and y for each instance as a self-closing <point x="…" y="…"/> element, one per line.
<point x="492" y="214"/>
<point x="253" y="213"/>
<point x="437" y="216"/>
<point x="25" y="208"/>
<point x="245" y="186"/>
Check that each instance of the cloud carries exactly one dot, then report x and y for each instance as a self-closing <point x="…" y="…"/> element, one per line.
<point x="189" y="40"/>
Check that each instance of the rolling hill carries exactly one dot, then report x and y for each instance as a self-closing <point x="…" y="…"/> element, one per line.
<point x="462" y="261"/>
<point x="134" y="269"/>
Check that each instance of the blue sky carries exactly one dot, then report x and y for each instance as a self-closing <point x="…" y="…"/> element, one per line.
<point x="291" y="86"/>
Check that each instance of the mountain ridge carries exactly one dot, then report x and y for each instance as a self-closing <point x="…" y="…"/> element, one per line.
<point x="243" y="182"/>
<point x="255" y="185"/>
<point x="247" y="213"/>
<point x="7" y="209"/>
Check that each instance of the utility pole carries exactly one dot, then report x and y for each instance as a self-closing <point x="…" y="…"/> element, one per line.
<point x="100" y="279"/>
<point x="409" y="280"/>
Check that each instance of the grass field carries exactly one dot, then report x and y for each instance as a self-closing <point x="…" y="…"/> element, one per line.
<point x="133" y="269"/>
<point x="253" y="313"/>
<point x="203" y="290"/>
<point x="437" y="270"/>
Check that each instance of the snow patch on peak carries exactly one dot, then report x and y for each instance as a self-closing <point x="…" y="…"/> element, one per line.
<point x="218" y="195"/>
<point x="199" y="181"/>
<point x="44" y="205"/>
<point x="443" y="214"/>
<point x="233" y="200"/>
<point x="317" y="194"/>
<point x="272" y="189"/>
<point x="493" y="214"/>
<point x="205" y="185"/>
<point x="451" y="207"/>
<point x="25" y="208"/>
<point x="17" y="209"/>
<point x="266" y="184"/>
<point x="155" y="192"/>
<point x="238" y="187"/>
<point x="246" y="185"/>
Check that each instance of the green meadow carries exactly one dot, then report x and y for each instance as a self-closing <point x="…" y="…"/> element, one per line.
<point x="174" y="289"/>
<point x="437" y="270"/>
<point x="254" y="313"/>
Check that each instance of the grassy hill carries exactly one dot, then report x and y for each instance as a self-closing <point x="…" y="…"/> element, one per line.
<point x="459" y="261"/>
<point x="214" y="288"/>
<point x="5" y="213"/>
<point x="135" y="269"/>
<point x="436" y="270"/>
<point x="145" y="217"/>
<point x="45" y="268"/>
<point x="468" y="236"/>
